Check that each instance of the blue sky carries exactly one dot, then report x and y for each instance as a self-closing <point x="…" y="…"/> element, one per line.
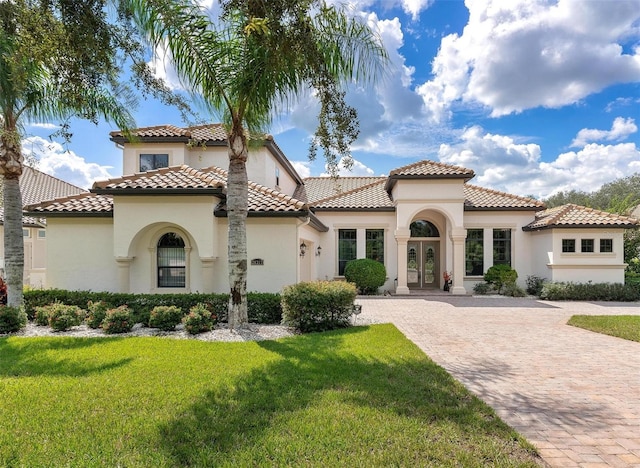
<point x="534" y="96"/>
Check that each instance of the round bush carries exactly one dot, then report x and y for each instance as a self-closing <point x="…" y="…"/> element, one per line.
<point x="199" y="319"/>
<point x="368" y="275"/>
<point x="41" y="315"/>
<point x="500" y="275"/>
<point x="63" y="317"/>
<point x="165" y="317"/>
<point x="118" y="320"/>
<point x="96" y="312"/>
<point x="12" y="319"/>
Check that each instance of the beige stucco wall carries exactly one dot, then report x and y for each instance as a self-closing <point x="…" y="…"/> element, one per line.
<point x="80" y="254"/>
<point x="35" y="256"/>
<point x="521" y="241"/>
<point x="326" y="265"/>
<point x="581" y="267"/>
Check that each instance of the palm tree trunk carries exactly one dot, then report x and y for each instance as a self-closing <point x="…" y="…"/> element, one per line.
<point x="11" y="169"/>
<point x="237" y="202"/>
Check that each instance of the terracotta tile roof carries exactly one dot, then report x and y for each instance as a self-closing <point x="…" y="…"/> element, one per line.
<point x="167" y="178"/>
<point x="85" y="203"/>
<point x="37" y="186"/>
<point x="320" y="188"/>
<point x="205" y="133"/>
<point x="574" y="216"/>
<point x="480" y="198"/>
<point x="182" y="178"/>
<point x="430" y="169"/>
<point x="371" y="196"/>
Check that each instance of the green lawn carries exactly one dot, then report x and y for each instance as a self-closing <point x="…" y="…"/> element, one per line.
<point x="622" y="326"/>
<point x="364" y="396"/>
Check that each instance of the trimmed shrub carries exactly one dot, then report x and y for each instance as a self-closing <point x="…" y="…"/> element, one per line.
<point x="262" y="307"/>
<point x="96" y="312"/>
<point x="535" y="285"/>
<point x="118" y="320"/>
<point x="500" y="275"/>
<point x="590" y="292"/>
<point x="199" y="319"/>
<point x="513" y="290"/>
<point x="318" y="305"/>
<point x="62" y="317"/>
<point x="165" y="317"/>
<point x="482" y="289"/>
<point x="41" y="316"/>
<point x="12" y="319"/>
<point x="368" y="275"/>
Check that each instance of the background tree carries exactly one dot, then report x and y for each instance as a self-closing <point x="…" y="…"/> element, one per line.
<point x="250" y="62"/>
<point x="60" y="59"/>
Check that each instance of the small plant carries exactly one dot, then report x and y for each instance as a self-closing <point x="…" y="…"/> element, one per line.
<point x="118" y="320"/>
<point x="500" y="275"/>
<point x="482" y="289"/>
<point x="368" y="275"/>
<point x="96" y="312"/>
<point x="200" y="319"/>
<point x="535" y="285"/>
<point x="62" y="317"/>
<point x="3" y="292"/>
<point x="12" y="319"/>
<point x="513" y="290"/>
<point x="318" y="305"/>
<point x="165" y="317"/>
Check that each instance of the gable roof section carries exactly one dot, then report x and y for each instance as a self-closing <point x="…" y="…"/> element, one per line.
<point x="179" y="180"/>
<point x="483" y="199"/>
<point x="428" y="170"/>
<point x="575" y="216"/>
<point x="369" y="197"/>
<point x="209" y="135"/>
<point x="316" y="189"/>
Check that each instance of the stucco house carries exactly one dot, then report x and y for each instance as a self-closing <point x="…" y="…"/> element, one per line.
<point x="36" y="186"/>
<point x="162" y="226"/>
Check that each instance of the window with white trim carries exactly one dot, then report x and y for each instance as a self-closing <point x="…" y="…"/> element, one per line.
<point x="474" y="252"/>
<point x="587" y="246"/>
<point x="502" y="247"/>
<point x="347" y="248"/>
<point x="606" y="245"/>
<point x="568" y="245"/>
<point x="375" y="244"/>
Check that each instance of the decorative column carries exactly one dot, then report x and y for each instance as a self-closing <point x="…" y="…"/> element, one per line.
<point x="124" y="264"/>
<point x="458" y="236"/>
<point x="207" y="273"/>
<point x="402" y="236"/>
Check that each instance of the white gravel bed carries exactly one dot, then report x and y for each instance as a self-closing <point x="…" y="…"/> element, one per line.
<point x="253" y="332"/>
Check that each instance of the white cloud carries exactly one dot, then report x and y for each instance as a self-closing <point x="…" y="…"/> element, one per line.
<point x="53" y="159"/>
<point x="620" y="129"/>
<point x="303" y="168"/>
<point x="357" y="170"/>
<point x="502" y="163"/>
<point x="415" y="7"/>
<point x="44" y="125"/>
<point x="523" y="54"/>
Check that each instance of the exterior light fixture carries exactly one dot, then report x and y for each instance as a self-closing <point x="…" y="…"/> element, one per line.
<point x="318" y="251"/>
<point x="303" y="249"/>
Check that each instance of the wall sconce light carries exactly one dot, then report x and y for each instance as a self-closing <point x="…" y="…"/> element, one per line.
<point x="303" y="249"/>
<point x="318" y="251"/>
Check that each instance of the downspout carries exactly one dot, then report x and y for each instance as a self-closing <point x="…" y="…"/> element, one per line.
<point x="303" y="223"/>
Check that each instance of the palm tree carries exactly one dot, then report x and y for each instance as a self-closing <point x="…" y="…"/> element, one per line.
<point x="29" y="92"/>
<point x="251" y="61"/>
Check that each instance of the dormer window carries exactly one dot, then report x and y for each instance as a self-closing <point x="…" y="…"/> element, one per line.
<point x="149" y="162"/>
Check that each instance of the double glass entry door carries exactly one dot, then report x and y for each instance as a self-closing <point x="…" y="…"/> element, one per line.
<point x="423" y="269"/>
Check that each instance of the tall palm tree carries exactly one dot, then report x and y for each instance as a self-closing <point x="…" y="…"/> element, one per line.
<point x="29" y="92"/>
<point x="248" y="63"/>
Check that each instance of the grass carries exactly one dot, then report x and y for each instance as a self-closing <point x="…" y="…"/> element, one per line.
<point x="621" y="326"/>
<point x="364" y="396"/>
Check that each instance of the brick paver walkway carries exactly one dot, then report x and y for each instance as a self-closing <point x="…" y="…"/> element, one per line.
<point x="572" y="393"/>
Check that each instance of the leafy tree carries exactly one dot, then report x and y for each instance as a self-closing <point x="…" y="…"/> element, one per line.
<point x="250" y="62"/>
<point x="60" y="59"/>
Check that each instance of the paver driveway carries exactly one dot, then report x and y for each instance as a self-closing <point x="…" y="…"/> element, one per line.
<point x="572" y="393"/>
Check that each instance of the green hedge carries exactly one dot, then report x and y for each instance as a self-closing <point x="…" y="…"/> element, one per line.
<point x="590" y="292"/>
<point x="262" y="307"/>
<point x="318" y="305"/>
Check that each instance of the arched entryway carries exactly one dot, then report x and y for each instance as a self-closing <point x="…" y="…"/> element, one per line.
<point x="423" y="256"/>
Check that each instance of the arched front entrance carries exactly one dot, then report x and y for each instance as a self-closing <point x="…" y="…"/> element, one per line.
<point x="423" y="256"/>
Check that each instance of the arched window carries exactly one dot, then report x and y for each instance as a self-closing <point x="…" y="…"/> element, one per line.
<point x="171" y="261"/>
<point x="422" y="228"/>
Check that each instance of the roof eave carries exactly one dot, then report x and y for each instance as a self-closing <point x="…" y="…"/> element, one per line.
<point x="163" y="191"/>
<point x="503" y="208"/>
<point x="389" y="209"/>
<point x="71" y="214"/>
<point x="579" y="226"/>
